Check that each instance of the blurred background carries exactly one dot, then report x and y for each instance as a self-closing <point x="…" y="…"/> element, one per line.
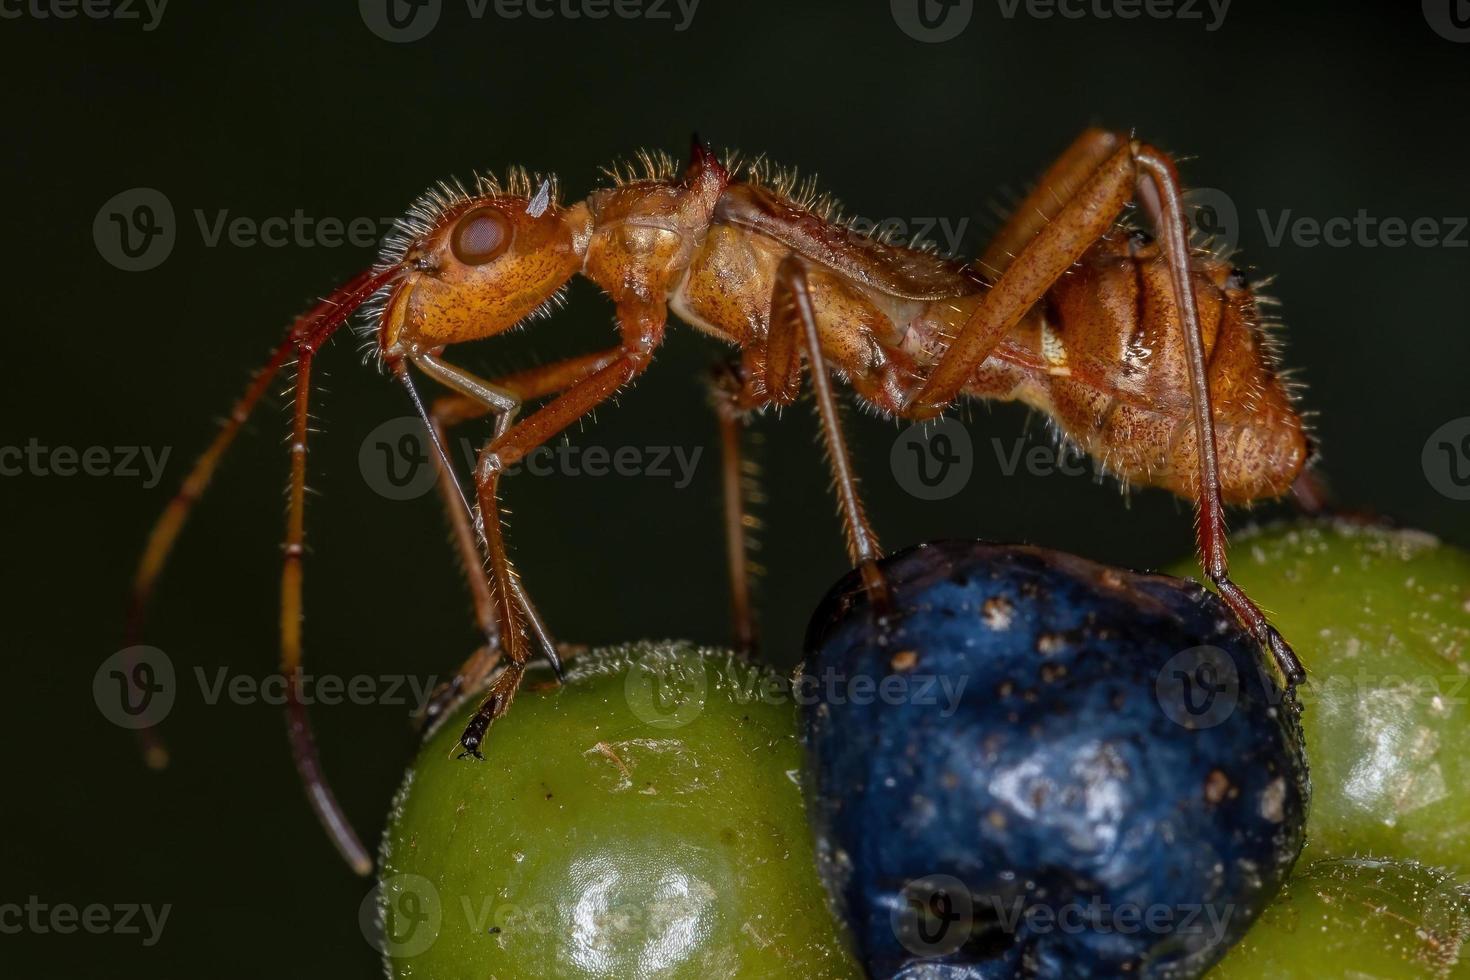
<point x="183" y="178"/>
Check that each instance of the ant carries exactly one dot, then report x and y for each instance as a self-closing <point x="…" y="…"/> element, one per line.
<point x="1148" y="354"/>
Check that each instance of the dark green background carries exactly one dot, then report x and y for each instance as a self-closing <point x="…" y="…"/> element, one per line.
<point x="265" y="109"/>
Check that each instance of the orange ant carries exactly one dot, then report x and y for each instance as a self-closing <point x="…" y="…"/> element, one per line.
<point x="1149" y="355"/>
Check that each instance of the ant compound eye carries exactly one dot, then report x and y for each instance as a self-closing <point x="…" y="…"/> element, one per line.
<point x="480" y="236"/>
<point x="1236" y="279"/>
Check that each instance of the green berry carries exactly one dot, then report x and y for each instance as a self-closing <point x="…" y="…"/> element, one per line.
<point x="1358" y="918"/>
<point x="1381" y="619"/>
<point x="643" y="819"/>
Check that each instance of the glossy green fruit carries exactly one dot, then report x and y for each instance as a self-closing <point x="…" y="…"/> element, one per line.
<point x="1381" y="618"/>
<point x="1356" y="919"/>
<point x="642" y="820"/>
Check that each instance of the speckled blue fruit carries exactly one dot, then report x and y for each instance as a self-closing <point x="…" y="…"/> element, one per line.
<point x="1038" y="766"/>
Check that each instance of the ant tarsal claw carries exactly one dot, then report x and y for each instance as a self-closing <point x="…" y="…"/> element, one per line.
<point x="1286" y="658"/>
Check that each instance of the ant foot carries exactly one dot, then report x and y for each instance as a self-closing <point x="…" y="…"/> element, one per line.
<point x="1286" y="658"/>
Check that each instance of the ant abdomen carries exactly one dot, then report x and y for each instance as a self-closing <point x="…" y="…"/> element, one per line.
<point x="1112" y="370"/>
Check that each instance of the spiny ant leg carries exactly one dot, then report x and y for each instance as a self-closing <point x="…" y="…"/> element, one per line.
<point x="1133" y="171"/>
<point x="1058" y="185"/>
<point x="725" y="387"/>
<point x="1045" y="257"/>
<point x="1173" y="228"/>
<point x="862" y="544"/>
<point x="642" y="326"/>
<point x="466" y="402"/>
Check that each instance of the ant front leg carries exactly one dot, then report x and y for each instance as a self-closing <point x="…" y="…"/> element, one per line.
<point x="1062" y="235"/>
<point x="642" y="325"/>
<point x="472" y="398"/>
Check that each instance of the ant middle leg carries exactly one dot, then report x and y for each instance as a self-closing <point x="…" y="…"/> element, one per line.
<point x="793" y="323"/>
<point x="740" y="489"/>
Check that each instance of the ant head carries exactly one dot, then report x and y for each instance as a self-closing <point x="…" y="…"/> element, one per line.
<point x="475" y="266"/>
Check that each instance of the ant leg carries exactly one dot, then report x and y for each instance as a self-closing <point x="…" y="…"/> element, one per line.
<point x="454" y="409"/>
<point x="642" y="326"/>
<point x="1072" y="230"/>
<point x="1060" y="184"/>
<point x="1060" y="242"/>
<point x="738" y="480"/>
<point x="792" y="288"/>
<point x="1174" y="228"/>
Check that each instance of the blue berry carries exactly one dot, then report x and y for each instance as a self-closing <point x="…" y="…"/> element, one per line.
<point x="1032" y="765"/>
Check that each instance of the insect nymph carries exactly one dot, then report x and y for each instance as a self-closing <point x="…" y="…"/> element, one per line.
<point x="1146" y="353"/>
